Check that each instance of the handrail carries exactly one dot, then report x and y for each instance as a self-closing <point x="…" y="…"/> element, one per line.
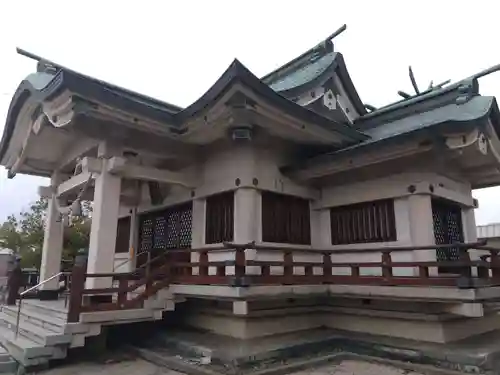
<point x="186" y="250"/>
<point x="258" y="246"/>
<point x="22" y="294"/>
<point x="129" y="260"/>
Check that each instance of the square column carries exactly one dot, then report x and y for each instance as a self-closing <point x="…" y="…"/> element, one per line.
<point x="422" y="229"/>
<point x="247" y="215"/>
<point x="197" y="230"/>
<point x="104" y="226"/>
<point x="247" y="221"/>
<point x="51" y="251"/>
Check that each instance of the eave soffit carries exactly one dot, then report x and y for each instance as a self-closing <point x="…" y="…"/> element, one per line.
<point x="52" y="80"/>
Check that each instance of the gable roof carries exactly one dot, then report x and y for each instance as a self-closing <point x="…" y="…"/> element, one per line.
<point x="311" y="68"/>
<point x="55" y="79"/>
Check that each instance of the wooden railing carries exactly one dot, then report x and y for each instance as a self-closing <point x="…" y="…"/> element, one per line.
<point x="251" y="264"/>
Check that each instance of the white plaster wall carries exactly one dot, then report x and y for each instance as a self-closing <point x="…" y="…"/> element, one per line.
<point x="395" y="186"/>
<point x="122" y="263"/>
<point x="413" y="213"/>
<point x="258" y="169"/>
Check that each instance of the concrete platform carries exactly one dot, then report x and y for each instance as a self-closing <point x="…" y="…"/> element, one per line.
<point x="479" y="355"/>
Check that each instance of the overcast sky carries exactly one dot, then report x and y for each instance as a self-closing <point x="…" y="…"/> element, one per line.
<point x="175" y="50"/>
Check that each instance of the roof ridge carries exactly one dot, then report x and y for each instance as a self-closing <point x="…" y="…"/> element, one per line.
<point x="320" y="49"/>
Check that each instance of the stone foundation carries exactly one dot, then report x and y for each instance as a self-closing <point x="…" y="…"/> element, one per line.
<point x="427" y="322"/>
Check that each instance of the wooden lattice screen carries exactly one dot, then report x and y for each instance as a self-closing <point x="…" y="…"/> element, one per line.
<point x="366" y="222"/>
<point x="166" y="229"/>
<point x="285" y="219"/>
<point x="219" y="223"/>
<point x="448" y="229"/>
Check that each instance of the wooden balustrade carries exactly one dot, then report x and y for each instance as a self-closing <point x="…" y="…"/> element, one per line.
<point x="236" y="269"/>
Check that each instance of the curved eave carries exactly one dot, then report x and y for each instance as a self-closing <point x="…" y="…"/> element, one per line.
<point x="25" y="92"/>
<point x="424" y="101"/>
<point x="237" y="73"/>
<point x="467" y="115"/>
<point x="114" y="97"/>
<point x="337" y="66"/>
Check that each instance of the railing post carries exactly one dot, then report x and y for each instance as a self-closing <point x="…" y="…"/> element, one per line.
<point x="423" y="272"/>
<point x="122" y="291"/>
<point x="495" y="265"/>
<point x="203" y="263"/>
<point x="288" y="267"/>
<point x="465" y="279"/>
<point x="240" y="267"/>
<point x="14" y="283"/>
<point x="386" y="266"/>
<point x="483" y="271"/>
<point x="78" y="275"/>
<point x="327" y="268"/>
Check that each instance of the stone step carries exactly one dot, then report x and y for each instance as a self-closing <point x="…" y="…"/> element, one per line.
<point x="119" y="316"/>
<point x="28" y="352"/>
<point x="46" y="308"/>
<point x="7" y="364"/>
<point x="36" y="317"/>
<point x="43" y="336"/>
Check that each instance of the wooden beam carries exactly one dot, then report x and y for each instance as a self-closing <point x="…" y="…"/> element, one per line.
<point x="73" y="183"/>
<point x="76" y="149"/>
<point x="91" y="165"/>
<point x="45" y="191"/>
<point x="120" y="166"/>
<point x="135" y="139"/>
<point x="320" y="167"/>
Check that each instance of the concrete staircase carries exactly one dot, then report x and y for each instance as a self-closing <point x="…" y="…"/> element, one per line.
<point x="45" y="334"/>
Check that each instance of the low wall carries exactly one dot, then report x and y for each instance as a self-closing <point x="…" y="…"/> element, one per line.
<point x="415" y="321"/>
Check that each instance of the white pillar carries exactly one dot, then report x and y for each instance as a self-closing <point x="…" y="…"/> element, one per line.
<point x="104" y="225"/>
<point x="469" y="224"/>
<point x="422" y="228"/>
<point x="133" y="236"/>
<point x="52" y="246"/>
<point x="321" y="231"/>
<point x="198" y="230"/>
<point x="247" y="216"/>
<point x="247" y="221"/>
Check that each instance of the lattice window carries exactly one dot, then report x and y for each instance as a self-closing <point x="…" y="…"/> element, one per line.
<point x="185" y="226"/>
<point x="146" y="234"/>
<point x="363" y="223"/>
<point x="448" y="229"/>
<point x="122" y="235"/>
<point x="219" y="223"/>
<point x="179" y="226"/>
<point x="285" y="219"/>
<point x="166" y="229"/>
<point x="159" y="233"/>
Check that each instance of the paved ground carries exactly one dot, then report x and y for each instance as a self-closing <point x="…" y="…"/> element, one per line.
<point x="350" y="367"/>
<point x="134" y="367"/>
<point x="140" y="367"/>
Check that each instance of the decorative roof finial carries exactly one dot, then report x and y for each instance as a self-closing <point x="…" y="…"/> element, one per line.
<point x="413" y="81"/>
<point x="339" y="31"/>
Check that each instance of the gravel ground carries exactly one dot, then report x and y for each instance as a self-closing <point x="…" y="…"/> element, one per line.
<point x="140" y="367"/>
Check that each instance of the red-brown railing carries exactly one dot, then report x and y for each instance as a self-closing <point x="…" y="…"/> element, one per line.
<point x="242" y="265"/>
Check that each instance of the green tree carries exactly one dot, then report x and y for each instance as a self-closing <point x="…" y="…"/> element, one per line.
<point x="24" y="233"/>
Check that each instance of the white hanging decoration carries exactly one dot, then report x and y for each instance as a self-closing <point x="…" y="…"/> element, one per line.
<point x="75" y="208"/>
<point x="329" y="100"/>
<point x="482" y="144"/>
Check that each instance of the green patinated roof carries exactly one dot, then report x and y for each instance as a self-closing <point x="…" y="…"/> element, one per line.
<point x="475" y="109"/>
<point x="313" y="67"/>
